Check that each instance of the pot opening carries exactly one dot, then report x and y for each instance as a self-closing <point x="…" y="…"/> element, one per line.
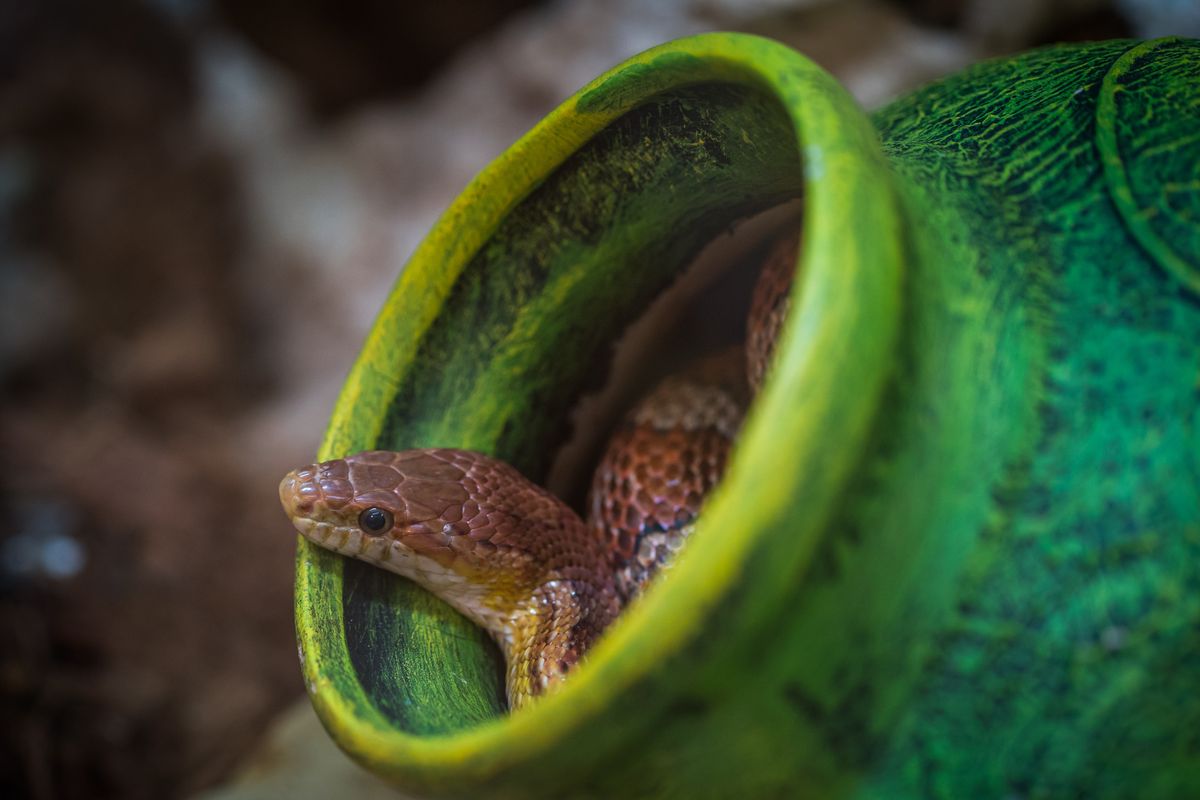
<point x="527" y="328"/>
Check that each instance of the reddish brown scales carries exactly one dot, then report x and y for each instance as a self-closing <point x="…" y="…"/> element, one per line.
<point x="769" y="307"/>
<point x="660" y="465"/>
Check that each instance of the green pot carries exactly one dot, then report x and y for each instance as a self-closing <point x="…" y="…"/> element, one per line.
<point x="957" y="551"/>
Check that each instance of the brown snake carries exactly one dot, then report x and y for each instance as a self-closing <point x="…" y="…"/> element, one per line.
<point x="510" y="555"/>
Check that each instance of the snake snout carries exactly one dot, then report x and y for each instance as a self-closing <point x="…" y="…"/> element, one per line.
<point x="317" y="499"/>
<point x="298" y="493"/>
<point x="302" y="500"/>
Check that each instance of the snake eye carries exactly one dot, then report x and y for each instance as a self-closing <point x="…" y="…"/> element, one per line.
<point x="375" y="520"/>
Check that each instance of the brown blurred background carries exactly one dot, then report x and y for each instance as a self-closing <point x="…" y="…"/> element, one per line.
<point x="202" y="204"/>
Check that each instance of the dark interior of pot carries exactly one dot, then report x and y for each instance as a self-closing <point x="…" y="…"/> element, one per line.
<point x="529" y="327"/>
<point x="705" y="310"/>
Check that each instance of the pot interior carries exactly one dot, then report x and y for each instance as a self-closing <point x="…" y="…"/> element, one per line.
<point x="527" y="327"/>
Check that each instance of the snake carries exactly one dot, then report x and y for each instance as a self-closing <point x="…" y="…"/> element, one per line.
<point x="511" y="556"/>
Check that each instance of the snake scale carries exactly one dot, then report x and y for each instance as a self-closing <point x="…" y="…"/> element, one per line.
<point x="510" y="555"/>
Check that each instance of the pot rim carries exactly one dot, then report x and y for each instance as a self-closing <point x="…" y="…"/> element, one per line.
<point x="821" y="397"/>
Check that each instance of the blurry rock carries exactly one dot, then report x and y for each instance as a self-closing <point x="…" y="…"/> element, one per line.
<point x="299" y="760"/>
<point x="875" y="50"/>
<point x="36" y="310"/>
<point x="1153" y="18"/>
<point x="126" y="354"/>
<point x="1000" y="26"/>
<point x="36" y="304"/>
<point x="348" y="53"/>
<point x="177" y="356"/>
<point x="1011" y="24"/>
<point x="42" y="543"/>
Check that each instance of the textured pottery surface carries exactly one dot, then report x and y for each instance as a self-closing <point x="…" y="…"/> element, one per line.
<point x="957" y="552"/>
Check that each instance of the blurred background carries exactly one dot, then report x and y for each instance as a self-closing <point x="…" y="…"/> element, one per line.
<point x="202" y="204"/>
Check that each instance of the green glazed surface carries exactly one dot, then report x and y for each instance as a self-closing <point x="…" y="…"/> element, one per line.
<point x="957" y="551"/>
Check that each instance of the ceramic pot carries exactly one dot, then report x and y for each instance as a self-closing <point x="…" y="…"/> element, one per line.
<point x="957" y="551"/>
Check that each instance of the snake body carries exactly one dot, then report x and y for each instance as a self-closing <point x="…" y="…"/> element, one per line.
<point x="661" y="463"/>
<point x="516" y="559"/>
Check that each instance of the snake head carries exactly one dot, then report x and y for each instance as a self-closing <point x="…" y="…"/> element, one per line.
<point x="467" y="527"/>
<point x="382" y="507"/>
<point x="378" y="501"/>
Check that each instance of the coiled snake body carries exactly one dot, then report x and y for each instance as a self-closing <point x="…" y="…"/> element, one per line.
<point x="510" y="555"/>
